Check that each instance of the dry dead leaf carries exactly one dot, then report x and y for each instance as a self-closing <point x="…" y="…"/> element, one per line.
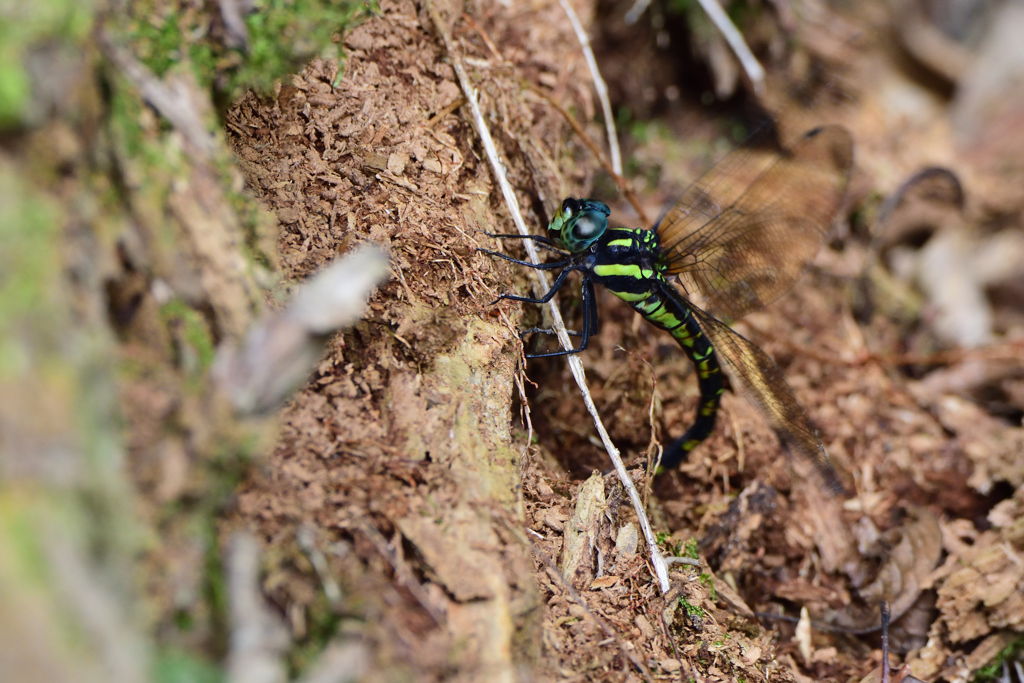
<point x="581" y="531"/>
<point x="899" y="580"/>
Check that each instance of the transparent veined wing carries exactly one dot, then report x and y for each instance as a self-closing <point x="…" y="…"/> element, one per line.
<point x="742" y="234"/>
<point x="764" y="384"/>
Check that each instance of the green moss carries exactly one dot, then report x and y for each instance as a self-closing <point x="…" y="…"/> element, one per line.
<point x="14" y="87"/>
<point x="706" y="580"/>
<point x="282" y="36"/>
<point x="691" y="609"/>
<point x="21" y="542"/>
<point x="196" y="347"/>
<point x="29" y="268"/>
<point x="23" y="26"/>
<point x="683" y="6"/>
<point x="994" y="670"/>
<point x="741" y="13"/>
<point x="149" y="163"/>
<point x="174" y="666"/>
<point x="215" y="586"/>
<point x="285" y="33"/>
<point x="159" y="42"/>
<point x="744" y="13"/>
<point x="323" y="622"/>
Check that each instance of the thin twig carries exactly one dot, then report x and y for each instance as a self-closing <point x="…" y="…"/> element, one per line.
<point x="444" y="112"/>
<point x="885" y="642"/>
<point x="671" y="640"/>
<point x="402" y="571"/>
<point x="575" y="365"/>
<point x="611" y="166"/>
<point x="483" y="36"/>
<point x="599" y="86"/>
<point x="307" y="541"/>
<point x="679" y="559"/>
<point x="638" y="8"/>
<point x="171" y="99"/>
<point x="1007" y="351"/>
<point x="624" y="187"/>
<point x="721" y="20"/>
<point x="738" y="437"/>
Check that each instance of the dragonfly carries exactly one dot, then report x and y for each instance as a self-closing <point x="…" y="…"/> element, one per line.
<point x="739" y="237"/>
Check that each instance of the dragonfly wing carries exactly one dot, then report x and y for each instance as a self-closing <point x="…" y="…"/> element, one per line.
<point x="743" y="248"/>
<point x="764" y="384"/>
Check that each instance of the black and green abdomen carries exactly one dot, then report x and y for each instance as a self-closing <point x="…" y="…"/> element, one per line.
<point x="626" y="264"/>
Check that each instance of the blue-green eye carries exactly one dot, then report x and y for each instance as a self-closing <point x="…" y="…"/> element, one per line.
<point x="589" y="225"/>
<point x="579" y="223"/>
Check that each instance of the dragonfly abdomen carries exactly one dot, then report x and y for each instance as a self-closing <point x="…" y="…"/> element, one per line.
<point x="665" y="309"/>
<point x="627" y="266"/>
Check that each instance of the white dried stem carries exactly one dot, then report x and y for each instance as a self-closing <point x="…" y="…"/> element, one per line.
<point x="634" y="13"/>
<point x="721" y="20"/>
<point x="732" y="35"/>
<point x="599" y="86"/>
<point x="281" y="348"/>
<point x="575" y="365"/>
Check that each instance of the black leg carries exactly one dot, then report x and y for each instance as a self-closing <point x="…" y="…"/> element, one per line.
<point x="559" y="281"/>
<point x="548" y="330"/>
<point x="589" y="296"/>
<point x="589" y="322"/>
<point x="536" y="266"/>
<point x="546" y="241"/>
<point x="517" y="236"/>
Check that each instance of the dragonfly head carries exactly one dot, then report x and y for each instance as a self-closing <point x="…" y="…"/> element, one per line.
<point x="579" y="223"/>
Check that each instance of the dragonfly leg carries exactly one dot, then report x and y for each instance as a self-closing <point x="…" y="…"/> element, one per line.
<point x="548" y="330"/>
<point x="589" y="322"/>
<point x="559" y="281"/>
<point x="554" y="265"/>
<point x="539" y="239"/>
<point x="593" y="320"/>
<point x="590" y="300"/>
<point x="516" y="236"/>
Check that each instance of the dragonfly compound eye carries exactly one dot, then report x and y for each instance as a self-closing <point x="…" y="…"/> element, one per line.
<point x="589" y="226"/>
<point x="592" y="219"/>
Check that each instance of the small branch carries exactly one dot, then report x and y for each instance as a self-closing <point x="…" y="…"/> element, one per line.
<point x="885" y="642"/>
<point x="173" y="101"/>
<point x="484" y="37"/>
<point x="755" y="72"/>
<point x="638" y="8"/>
<point x="307" y="541"/>
<point x="1010" y="351"/>
<point x="575" y="365"/>
<point x="688" y="561"/>
<point x="613" y="166"/>
<point x="259" y="639"/>
<point x="402" y="572"/>
<point x="599" y="86"/>
<point x="278" y="352"/>
<point x="623" y="186"/>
